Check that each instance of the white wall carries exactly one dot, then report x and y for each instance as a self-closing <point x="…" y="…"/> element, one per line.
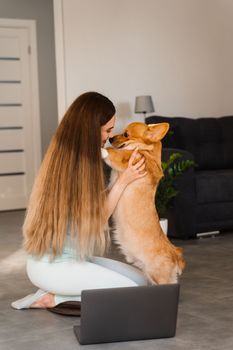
<point x="178" y="51"/>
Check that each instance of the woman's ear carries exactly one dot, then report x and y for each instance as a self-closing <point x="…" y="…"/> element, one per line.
<point x="156" y="132"/>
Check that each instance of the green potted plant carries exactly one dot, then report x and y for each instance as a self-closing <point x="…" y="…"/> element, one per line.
<point x="166" y="191"/>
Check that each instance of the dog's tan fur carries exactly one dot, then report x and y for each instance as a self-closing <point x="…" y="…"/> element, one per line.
<point x="138" y="231"/>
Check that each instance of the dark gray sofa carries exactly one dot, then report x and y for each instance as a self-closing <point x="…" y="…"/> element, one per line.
<point x="205" y="199"/>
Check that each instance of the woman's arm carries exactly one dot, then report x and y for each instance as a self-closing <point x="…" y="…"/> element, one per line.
<point x="132" y="173"/>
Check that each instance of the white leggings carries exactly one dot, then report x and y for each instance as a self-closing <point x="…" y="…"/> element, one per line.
<point x="67" y="279"/>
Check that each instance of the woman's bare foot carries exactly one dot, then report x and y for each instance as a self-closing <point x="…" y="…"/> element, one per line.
<point x="44" y="302"/>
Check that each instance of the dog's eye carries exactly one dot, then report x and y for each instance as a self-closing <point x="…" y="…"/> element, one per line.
<point x="125" y="134"/>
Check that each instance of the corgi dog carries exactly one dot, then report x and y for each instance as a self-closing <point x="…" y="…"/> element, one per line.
<point x="137" y="228"/>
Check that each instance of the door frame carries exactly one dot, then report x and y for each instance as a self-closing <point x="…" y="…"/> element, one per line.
<point x="60" y="57"/>
<point x="30" y="25"/>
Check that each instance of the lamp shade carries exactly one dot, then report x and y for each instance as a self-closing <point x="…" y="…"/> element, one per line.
<point x="144" y="104"/>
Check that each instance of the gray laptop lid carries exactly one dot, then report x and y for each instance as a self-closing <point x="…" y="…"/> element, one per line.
<point x="130" y="313"/>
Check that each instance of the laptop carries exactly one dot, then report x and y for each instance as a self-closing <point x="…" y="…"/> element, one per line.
<point x="128" y="313"/>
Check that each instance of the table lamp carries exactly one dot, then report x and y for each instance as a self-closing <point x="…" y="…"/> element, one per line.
<point x="144" y="104"/>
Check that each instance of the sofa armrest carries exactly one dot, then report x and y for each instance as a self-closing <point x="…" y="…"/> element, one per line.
<point x="182" y="214"/>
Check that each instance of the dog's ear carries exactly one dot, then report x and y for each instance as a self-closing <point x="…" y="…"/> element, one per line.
<point x="155" y="132"/>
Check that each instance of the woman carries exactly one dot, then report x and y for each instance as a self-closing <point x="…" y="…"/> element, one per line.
<point x="65" y="224"/>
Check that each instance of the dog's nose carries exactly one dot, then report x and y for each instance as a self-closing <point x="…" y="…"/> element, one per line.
<point x="111" y="139"/>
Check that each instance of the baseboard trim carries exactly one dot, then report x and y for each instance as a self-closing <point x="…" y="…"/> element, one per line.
<point x="207" y="234"/>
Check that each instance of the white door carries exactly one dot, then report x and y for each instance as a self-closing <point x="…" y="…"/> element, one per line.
<point x="19" y="122"/>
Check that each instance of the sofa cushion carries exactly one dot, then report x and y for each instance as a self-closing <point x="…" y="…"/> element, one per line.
<point x="214" y="186"/>
<point x="214" y="216"/>
<point x="209" y="139"/>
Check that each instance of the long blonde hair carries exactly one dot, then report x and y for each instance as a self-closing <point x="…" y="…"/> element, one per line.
<point x="69" y="191"/>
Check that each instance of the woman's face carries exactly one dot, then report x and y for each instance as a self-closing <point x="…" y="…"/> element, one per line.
<point x="106" y="130"/>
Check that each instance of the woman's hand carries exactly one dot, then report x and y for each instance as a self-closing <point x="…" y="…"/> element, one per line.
<point x="135" y="169"/>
